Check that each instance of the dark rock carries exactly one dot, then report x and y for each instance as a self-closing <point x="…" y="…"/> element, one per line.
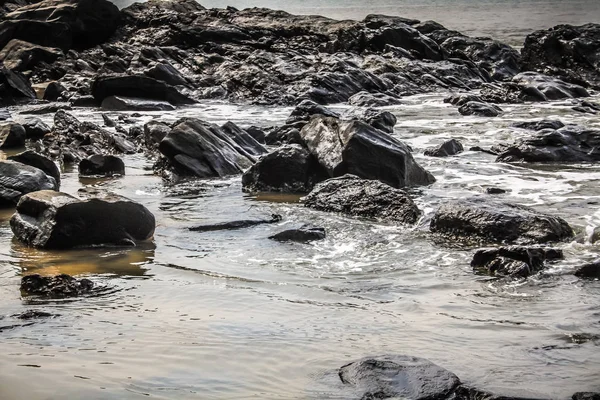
<point x="539" y="125"/>
<point x="137" y="86"/>
<point x="54" y="91"/>
<point x="306" y="109"/>
<point x="246" y="223"/>
<point x="302" y="235"/>
<point x="586" y="396"/>
<point x="591" y="270"/>
<point x="22" y="56"/>
<point x="154" y="132"/>
<point x="17" y="179"/>
<point x="14" y="85"/>
<point x="463" y="98"/>
<point x="46" y="109"/>
<point x="382" y="120"/>
<point x="480" y="218"/>
<point x="243" y="139"/>
<point x="196" y="148"/>
<point x="90" y="21"/>
<point x="480" y="109"/>
<point x="495" y="190"/>
<point x="257" y="133"/>
<point x="108" y="122"/>
<point x="366" y="99"/>
<point x="353" y="196"/>
<point x="84" y="101"/>
<point x="356" y="148"/>
<point x="49" y="219"/>
<point x="513" y="261"/>
<point x="398" y="376"/>
<point x="39" y="161"/>
<point x="568" y="144"/>
<point x="4" y="115"/>
<point x="539" y="87"/>
<point x="12" y="135"/>
<point x="58" y="286"/>
<point x="33" y="314"/>
<point x="121" y="103"/>
<point x="167" y="73"/>
<point x="53" y="34"/>
<point x="286" y="134"/>
<point x="101" y="165"/>
<point x="289" y="169"/>
<point x="464" y="392"/>
<point x="448" y="148"/>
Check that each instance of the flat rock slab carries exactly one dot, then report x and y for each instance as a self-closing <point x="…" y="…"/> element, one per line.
<point x="484" y="219"/>
<point x="398" y="376"/>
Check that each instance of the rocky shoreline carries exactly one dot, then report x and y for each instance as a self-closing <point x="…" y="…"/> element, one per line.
<point x="59" y="56"/>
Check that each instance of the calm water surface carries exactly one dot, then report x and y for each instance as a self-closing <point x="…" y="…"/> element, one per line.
<point x="233" y="315"/>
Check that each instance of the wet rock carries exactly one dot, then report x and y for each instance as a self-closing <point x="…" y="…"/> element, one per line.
<point x="49" y="219"/>
<point x="17" y="179"/>
<point x="46" y="109"/>
<point x="137" y="86"/>
<point x="33" y="314"/>
<point x="257" y="133"/>
<point x="35" y="128"/>
<point x="398" y="376"/>
<point x="14" y="86"/>
<point x="302" y="235"/>
<point x="464" y="392"/>
<point x="539" y="125"/>
<point x="101" y="165"/>
<point x="571" y="143"/>
<point x="286" y="134"/>
<point x="513" y="261"/>
<point x="495" y="190"/>
<point x="484" y="219"/>
<point x="306" y="109"/>
<point x="243" y="139"/>
<point x="197" y="148"/>
<point x="366" y="99"/>
<point x="84" y="101"/>
<point x="121" y="103"/>
<point x="461" y="99"/>
<point x="4" y="114"/>
<point x="587" y="107"/>
<point x="59" y="286"/>
<point x="288" y="169"/>
<point x="90" y="22"/>
<point x="480" y="109"/>
<point x="590" y="271"/>
<point x="154" y="132"/>
<point x="566" y="51"/>
<point x="39" y="161"/>
<point x="12" y="135"/>
<point x="108" y="121"/>
<point x="167" y="73"/>
<point x="586" y="396"/>
<point x="52" y="34"/>
<point x="22" y="56"/>
<point x="448" y="148"/>
<point x="539" y="87"/>
<point x="54" y="91"/>
<point x="246" y="223"/>
<point x="382" y="120"/>
<point x="354" y="147"/>
<point x="353" y="196"/>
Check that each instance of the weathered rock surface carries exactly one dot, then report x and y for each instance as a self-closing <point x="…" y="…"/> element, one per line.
<point x="590" y="271"/>
<point x="17" y="179"/>
<point x="154" y="132"/>
<point x="448" y="148"/>
<point x="50" y="219"/>
<point x="59" y="286"/>
<point x="539" y="87"/>
<point x="353" y="196"/>
<point x="302" y="235"/>
<point x="12" y="135"/>
<point x="14" y="86"/>
<point x="398" y="376"/>
<point x="513" y="261"/>
<point x="243" y="139"/>
<point x="39" y="161"/>
<point x="101" y="165"/>
<point x="354" y="147"/>
<point x="288" y="169"/>
<point x="484" y="219"/>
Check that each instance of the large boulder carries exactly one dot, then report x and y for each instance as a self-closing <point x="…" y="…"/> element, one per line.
<point x="19" y="55"/>
<point x="289" y="169"/>
<point x="354" y="147"/>
<point x="483" y="219"/>
<point x="154" y="132"/>
<point x="14" y="86"/>
<point x="50" y="219"/>
<point x="12" y="135"/>
<point x="243" y="139"/>
<point x="513" y="261"/>
<point x="91" y="22"/>
<point x="39" y="161"/>
<point x="51" y="34"/>
<point x="197" y="148"/>
<point x="398" y="376"/>
<point x="137" y="86"/>
<point x="306" y="109"/>
<point x="353" y="196"/>
<point x="17" y="179"/>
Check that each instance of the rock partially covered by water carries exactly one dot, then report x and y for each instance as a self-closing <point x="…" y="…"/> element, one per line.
<point x="353" y="196"/>
<point x="101" y="165"/>
<point x="513" y="261"/>
<point x="17" y="179"/>
<point x="586" y="396"/>
<point x="197" y="148"/>
<point x="484" y="219"/>
<point x="590" y="271"/>
<point x="59" y="286"/>
<point x="448" y="148"/>
<point x="121" y="103"/>
<point x="12" y="135"/>
<point x="354" y="147"/>
<point x="288" y="169"/>
<point x="39" y="161"/>
<point x="302" y="235"/>
<point x="539" y="87"/>
<point x="303" y="112"/>
<point x="571" y="52"/>
<point x="481" y="109"/>
<point x="137" y="86"/>
<point x="570" y="143"/>
<point x="49" y="219"/>
<point x="398" y="376"/>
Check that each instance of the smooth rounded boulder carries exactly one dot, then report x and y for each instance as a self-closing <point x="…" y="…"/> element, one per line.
<point x="50" y="219"/>
<point x="484" y="219"/>
<point x="372" y="199"/>
<point x="17" y="179"/>
<point x="101" y="165"/>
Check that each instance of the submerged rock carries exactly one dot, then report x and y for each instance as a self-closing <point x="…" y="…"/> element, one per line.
<point x="49" y="219"/>
<point x="58" y="286"/>
<point x="17" y="179"/>
<point x="398" y="376"/>
<point x="101" y="165"/>
<point x="245" y="223"/>
<point x="448" y="148"/>
<point x="353" y="196"/>
<point x="513" y="261"/>
<point x="590" y="271"/>
<point x="302" y="235"/>
<point x="481" y="218"/>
